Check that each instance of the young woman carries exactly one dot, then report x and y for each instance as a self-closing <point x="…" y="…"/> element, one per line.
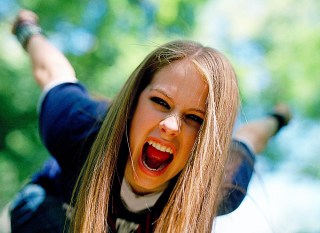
<point x="151" y="161"/>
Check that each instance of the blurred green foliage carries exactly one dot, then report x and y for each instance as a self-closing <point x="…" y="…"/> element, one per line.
<point x="104" y="41"/>
<point x="275" y="50"/>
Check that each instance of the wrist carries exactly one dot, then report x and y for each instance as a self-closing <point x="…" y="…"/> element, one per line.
<point x="24" y="30"/>
<point x="281" y="120"/>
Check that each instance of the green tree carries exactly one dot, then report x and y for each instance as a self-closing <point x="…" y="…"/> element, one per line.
<point x="104" y="41"/>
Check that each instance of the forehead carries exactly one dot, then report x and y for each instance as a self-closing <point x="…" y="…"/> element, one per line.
<point x="181" y="80"/>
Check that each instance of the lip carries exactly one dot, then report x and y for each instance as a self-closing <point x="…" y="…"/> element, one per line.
<point x="154" y="173"/>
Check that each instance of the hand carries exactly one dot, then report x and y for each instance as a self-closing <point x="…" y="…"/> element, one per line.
<point x="25" y="16"/>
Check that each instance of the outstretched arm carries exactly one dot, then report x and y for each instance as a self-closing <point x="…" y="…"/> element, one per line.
<point x="48" y="63"/>
<point x="249" y="140"/>
<point x="256" y="134"/>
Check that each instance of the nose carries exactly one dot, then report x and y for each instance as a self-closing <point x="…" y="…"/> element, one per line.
<point x="170" y="125"/>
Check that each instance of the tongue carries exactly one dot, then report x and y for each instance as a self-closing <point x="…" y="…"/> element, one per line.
<point x="155" y="158"/>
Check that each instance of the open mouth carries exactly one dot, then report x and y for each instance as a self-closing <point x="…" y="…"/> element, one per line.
<point x="156" y="157"/>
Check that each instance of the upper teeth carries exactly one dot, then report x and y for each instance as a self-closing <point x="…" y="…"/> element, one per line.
<point x="160" y="147"/>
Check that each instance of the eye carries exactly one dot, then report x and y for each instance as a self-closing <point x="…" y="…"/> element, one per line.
<point x="194" y="118"/>
<point x="161" y="102"/>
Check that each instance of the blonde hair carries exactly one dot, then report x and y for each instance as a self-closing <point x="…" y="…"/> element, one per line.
<point x="194" y="200"/>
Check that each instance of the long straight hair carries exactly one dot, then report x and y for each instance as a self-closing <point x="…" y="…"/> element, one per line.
<point x="194" y="200"/>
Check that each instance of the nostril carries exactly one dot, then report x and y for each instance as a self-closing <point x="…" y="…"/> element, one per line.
<point x="162" y="128"/>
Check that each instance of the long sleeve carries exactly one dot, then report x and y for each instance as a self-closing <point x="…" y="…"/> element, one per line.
<point x="69" y="122"/>
<point x="238" y="174"/>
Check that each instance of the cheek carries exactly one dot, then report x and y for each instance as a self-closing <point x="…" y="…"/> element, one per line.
<point x="181" y="162"/>
<point x="142" y="119"/>
<point x="142" y="123"/>
<point x="189" y="140"/>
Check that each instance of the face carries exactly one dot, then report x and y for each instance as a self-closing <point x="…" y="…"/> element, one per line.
<point x="164" y="126"/>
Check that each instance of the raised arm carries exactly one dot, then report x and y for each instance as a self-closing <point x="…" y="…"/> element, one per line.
<point x="48" y="63"/>
<point x="69" y="118"/>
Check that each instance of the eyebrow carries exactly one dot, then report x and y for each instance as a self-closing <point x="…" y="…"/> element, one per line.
<point x="199" y="110"/>
<point x="162" y="91"/>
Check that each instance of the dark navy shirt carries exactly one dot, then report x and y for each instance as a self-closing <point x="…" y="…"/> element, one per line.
<point x="69" y="122"/>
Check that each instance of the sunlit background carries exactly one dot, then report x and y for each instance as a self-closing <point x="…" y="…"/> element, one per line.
<point x="274" y="46"/>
